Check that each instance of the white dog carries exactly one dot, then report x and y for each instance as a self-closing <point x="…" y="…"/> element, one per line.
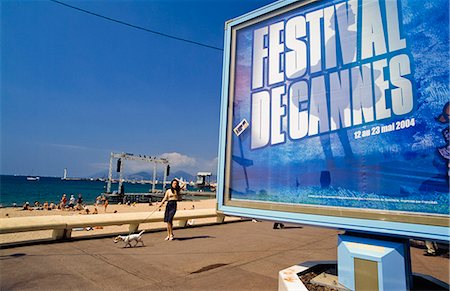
<point x="127" y="239"/>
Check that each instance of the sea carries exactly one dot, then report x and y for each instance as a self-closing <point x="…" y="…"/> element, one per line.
<point x="17" y="189"/>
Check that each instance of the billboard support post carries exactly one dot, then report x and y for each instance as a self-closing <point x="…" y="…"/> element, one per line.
<point x="374" y="264"/>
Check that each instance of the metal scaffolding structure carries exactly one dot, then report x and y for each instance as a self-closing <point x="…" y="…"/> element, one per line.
<point x="122" y="157"/>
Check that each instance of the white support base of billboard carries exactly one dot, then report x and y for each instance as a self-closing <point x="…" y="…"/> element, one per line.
<point x="289" y="278"/>
<point x="363" y="264"/>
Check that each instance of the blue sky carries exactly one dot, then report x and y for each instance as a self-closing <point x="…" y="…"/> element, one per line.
<point x="75" y="87"/>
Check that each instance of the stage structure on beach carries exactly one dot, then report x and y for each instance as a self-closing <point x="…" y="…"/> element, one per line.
<point x="335" y="113"/>
<point x="122" y="157"/>
<point x="153" y="194"/>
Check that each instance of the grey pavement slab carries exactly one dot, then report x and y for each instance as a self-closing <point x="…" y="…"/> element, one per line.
<point x="233" y="256"/>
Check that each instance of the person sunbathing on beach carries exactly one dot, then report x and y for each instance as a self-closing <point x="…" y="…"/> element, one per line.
<point x="26" y="206"/>
<point x="72" y="202"/>
<point x="37" y="206"/>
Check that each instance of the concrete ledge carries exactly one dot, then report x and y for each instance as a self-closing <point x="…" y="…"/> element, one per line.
<point x="62" y="225"/>
<point x="20" y="224"/>
<point x="134" y="218"/>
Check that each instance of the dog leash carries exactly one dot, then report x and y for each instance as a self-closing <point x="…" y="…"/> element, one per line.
<point x="156" y="207"/>
<point x="151" y="213"/>
<point x="142" y="231"/>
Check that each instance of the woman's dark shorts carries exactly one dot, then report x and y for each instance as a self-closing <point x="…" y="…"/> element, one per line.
<point x="171" y="208"/>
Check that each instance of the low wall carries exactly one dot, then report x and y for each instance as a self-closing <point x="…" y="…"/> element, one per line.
<point x="62" y="226"/>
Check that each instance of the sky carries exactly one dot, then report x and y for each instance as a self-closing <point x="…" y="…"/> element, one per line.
<point x="76" y="87"/>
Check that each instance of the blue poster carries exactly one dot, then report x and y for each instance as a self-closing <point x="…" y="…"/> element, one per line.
<point x="343" y="104"/>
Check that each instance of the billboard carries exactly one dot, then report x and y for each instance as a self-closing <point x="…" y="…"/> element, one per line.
<point x="336" y="113"/>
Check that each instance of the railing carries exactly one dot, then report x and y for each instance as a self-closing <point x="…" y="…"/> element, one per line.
<point x="62" y="225"/>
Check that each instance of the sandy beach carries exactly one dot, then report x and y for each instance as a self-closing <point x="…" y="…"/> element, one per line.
<point x="10" y="212"/>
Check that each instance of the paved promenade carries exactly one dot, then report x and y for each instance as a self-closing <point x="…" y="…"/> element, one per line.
<point x="233" y="256"/>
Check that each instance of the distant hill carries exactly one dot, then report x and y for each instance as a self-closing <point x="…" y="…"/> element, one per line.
<point x="144" y="175"/>
<point x="182" y="174"/>
<point x="140" y="176"/>
<point x="102" y="174"/>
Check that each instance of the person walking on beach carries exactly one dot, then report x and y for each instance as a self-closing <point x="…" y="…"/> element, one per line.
<point x="80" y="202"/>
<point x="172" y="195"/>
<point x="98" y="200"/>
<point x="63" y="202"/>
<point x="105" y="202"/>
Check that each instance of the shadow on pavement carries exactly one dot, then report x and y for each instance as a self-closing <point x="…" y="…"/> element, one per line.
<point x="192" y="237"/>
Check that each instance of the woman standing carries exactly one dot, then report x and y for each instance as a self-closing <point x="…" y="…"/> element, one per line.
<point x="172" y="195"/>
